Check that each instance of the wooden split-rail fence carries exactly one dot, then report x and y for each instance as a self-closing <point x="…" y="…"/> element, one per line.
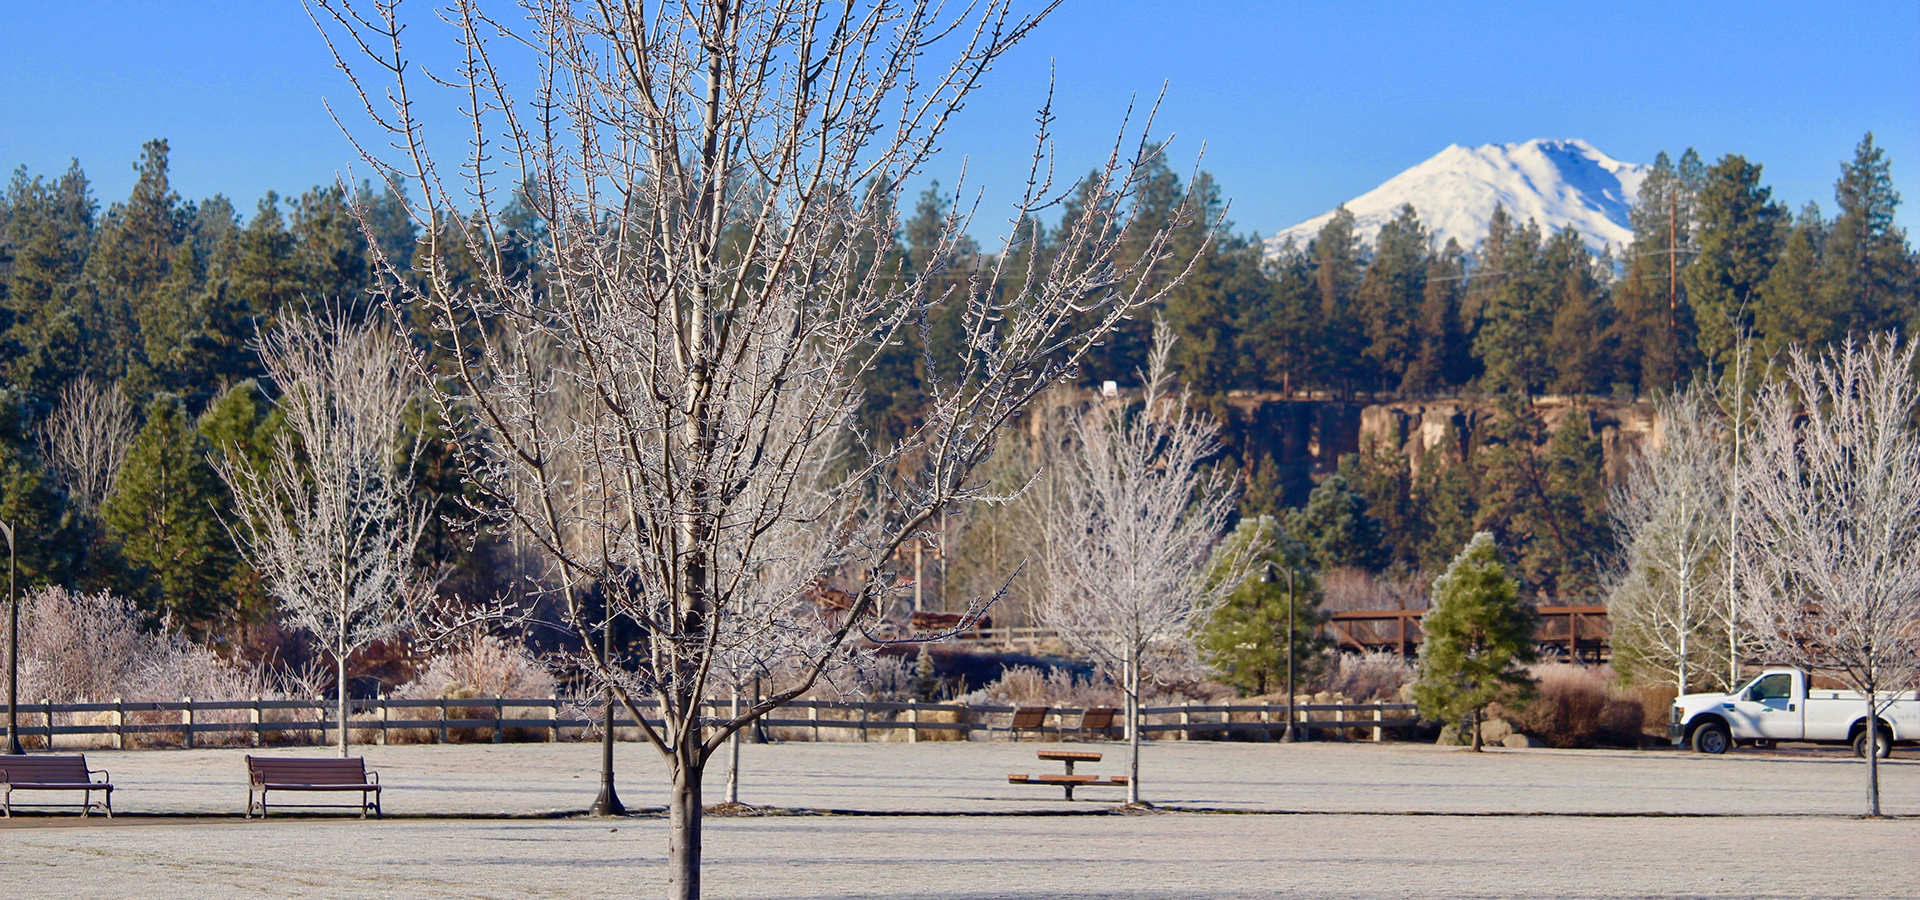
<point x="262" y="722"/>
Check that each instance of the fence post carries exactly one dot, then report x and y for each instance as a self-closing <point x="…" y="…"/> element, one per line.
<point x="1266" y="721"/>
<point x="863" y="722"/>
<point x="913" y="721"/>
<point x="1186" y="720"/>
<point x="813" y="716"/>
<point x="47" y="706"/>
<point x="1376" y="723"/>
<point x="499" y="714"/>
<point x="384" y="717"/>
<point x="119" y="723"/>
<point x="553" y="724"/>
<point x="186" y="722"/>
<point x="254" y="717"/>
<point x="443" y="720"/>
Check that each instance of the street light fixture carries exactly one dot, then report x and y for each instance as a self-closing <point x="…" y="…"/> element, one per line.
<point x="13" y="747"/>
<point x="1269" y="576"/>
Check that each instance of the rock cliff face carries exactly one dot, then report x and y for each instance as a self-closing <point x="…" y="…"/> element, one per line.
<point x="1307" y="437"/>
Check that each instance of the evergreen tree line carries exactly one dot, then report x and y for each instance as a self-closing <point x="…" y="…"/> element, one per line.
<point x="1713" y="258"/>
<point x="158" y="300"/>
<point x="159" y="297"/>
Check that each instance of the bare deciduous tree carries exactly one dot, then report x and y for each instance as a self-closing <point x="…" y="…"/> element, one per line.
<point x="1669" y="518"/>
<point x="331" y="523"/>
<point x="85" y="439"/>
<point x="717" y="184"/>
<point x="1831" y="572"/>
<point x="1141" y="514"/>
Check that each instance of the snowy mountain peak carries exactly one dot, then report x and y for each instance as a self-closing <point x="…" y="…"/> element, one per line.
<point x="1560" y="184"/>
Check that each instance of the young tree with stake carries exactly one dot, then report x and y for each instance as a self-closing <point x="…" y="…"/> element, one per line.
<point x="1141" y="515"/>
<point x="1831" y="572"/>
<point x="331" y="523"/>
<point x="714" y="180"/>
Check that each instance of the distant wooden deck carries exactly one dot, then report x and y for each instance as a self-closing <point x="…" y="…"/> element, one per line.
<point x="1576" y="632"/>
<point x="1569" y="632"/>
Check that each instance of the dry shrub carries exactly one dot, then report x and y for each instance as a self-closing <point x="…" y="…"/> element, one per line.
<point x="80" y="648"/>
<point x="485" y="667"/>
<point x="1656" y="701"/>
<point x="1373" y="677"/>
<point x="882" y="678"/>
<point x="947" y="716"/>
<point x="1033" y="686"/>
<point x="1577" y="706"/>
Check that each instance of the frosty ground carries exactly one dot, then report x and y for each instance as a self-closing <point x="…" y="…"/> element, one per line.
<point x="895" y="820"/>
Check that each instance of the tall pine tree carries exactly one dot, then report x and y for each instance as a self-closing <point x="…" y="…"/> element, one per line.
<point x="1739" y="236"/>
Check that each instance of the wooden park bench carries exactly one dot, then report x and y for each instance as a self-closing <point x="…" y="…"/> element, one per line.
<point x="270" y="773"/>
<point x="1069" y="780"/>
<point x="54" y="773"/>
<point x="1097" y="720"/>
<point x="1028" y="718"/>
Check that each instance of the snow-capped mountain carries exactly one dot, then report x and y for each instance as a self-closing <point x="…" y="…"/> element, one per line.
<point x="1559" y="184"/>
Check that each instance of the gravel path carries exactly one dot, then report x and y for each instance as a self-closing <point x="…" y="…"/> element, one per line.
<point x="1334" y="824"/>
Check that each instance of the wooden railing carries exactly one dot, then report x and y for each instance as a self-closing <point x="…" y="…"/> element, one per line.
<point x="1579" y="632"/>
<point x="259" y="722"/>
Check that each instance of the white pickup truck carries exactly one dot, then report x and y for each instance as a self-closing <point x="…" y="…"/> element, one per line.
<point x="1778" y="706"/>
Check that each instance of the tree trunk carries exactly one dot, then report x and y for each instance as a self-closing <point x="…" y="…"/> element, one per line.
<point x="733" y="754"/>
<point x="1685" y="618"/>
<point x="1132" y="679"/>
<point x="1476" y="730"/>
<point x="683" y="827"/>
<point x="1873" y="757"/>
<point x="340" y="657"/>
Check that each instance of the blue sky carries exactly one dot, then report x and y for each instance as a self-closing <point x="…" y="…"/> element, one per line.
<point x="1299" y="105"/>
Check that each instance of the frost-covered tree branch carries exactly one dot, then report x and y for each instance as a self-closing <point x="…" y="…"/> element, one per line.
<point x="1669" y="518"/>
<point x="716" y="185"/>
<point x="1142" y="511"/>
<point x="85" y="439"/>
<point x="331" y="523"/>
<point x="1831" y="566"/>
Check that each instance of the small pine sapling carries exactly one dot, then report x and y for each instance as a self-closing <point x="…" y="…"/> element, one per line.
<point x="1479" y="636"/>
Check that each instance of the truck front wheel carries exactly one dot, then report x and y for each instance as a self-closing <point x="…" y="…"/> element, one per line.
<point x="1712" y="737"/>
<point x="1860" y="744"/>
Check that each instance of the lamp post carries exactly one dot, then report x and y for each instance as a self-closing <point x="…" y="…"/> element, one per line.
<point x="13" y="747"/>
<point x="608" y="803"/>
